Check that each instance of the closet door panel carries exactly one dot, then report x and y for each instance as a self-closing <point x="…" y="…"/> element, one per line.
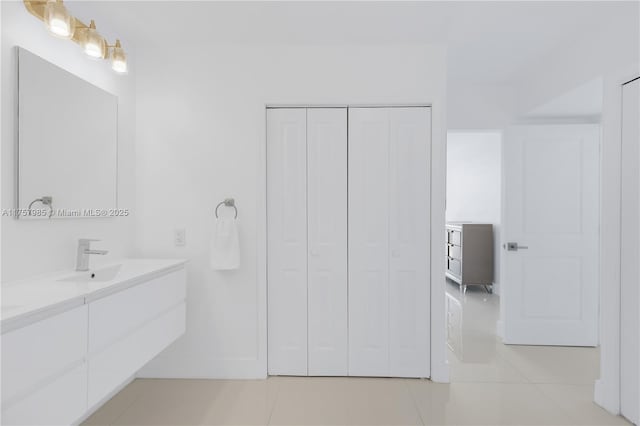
<point x="287" y="241"/>
<point x="327" y="235"/>
<point x="368" y="242"/>
<point x="409" y="220"/>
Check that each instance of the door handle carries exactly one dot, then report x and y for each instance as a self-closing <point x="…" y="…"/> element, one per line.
<point x="514" y="247"/>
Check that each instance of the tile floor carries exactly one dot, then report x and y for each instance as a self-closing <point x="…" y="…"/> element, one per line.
<point x="492" y="384"/>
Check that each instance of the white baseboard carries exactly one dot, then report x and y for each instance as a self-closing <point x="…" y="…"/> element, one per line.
<point x="440" y="373"/>
<point x="603" y="399"/>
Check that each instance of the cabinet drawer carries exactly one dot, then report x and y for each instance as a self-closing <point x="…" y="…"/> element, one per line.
<point x="60" y="402"/>
<point x="118" y="315"/>
<point x="111" y="367"/>
<point x="454" y="237"/>
<point x="37" y="353"/>
<point x="454" y="267"/>
<point x="454" y="252"/>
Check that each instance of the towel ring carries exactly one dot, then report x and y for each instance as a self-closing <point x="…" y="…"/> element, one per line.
<point x="46" y="201"/>
<point x="229" y="202"/>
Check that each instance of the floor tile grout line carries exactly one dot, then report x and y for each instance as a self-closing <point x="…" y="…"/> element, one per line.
<point x="415" y="403"/>
<point x="275" y="402"/>
<point x="514" y="366"/>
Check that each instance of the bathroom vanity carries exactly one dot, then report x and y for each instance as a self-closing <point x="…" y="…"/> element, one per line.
<point x="72" y="340"/>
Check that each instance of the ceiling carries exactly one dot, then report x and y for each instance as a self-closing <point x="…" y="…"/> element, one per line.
<point x="488" y="42"/>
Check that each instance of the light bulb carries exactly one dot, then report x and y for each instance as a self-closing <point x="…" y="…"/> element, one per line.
<point x="58" y="20"/>
<point x="118" y="59"/>
<point x="93" y="43"/>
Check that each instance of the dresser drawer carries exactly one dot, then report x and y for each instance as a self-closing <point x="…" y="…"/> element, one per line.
<point x="455" y="237"/>
<point x="454" y="252"/>
<point x="454" y="266"/>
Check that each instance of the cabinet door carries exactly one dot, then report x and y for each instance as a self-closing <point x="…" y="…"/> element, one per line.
<point x="409" y="223"/>
<point x="287" y="241"/>
<point x="368" y="242"/>
<point x="327" y="234"/>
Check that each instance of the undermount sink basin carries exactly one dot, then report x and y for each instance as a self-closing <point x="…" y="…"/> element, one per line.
<point x="108" y="273"/>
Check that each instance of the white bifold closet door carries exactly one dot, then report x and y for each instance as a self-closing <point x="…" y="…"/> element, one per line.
<point x="307" y="241"/>
<point x="287" y="241"/>
<point x="389" y="241"/>
<point x="327" y="241"/>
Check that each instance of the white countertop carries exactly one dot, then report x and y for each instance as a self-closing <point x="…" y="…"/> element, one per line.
<point x="30" y="300"/>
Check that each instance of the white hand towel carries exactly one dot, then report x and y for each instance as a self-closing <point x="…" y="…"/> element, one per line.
<point x="225" y="245"/>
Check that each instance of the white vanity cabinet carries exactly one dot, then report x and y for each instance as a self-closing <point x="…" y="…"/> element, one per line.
<point x="60" y="368"/>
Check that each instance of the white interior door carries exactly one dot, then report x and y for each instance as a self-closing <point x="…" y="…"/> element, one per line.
<point x="389" y="169"/>
<point x="630" y="253"/>
<point x="287" y="241"/>
<point x="327" y="234"/>
<point x="551" y="220"/>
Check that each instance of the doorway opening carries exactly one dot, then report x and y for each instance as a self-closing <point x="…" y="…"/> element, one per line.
<point x="480" y="187"/>
<point x="473" y="215"/>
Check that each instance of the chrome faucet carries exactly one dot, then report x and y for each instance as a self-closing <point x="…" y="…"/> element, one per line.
<point x="84" y="250"/>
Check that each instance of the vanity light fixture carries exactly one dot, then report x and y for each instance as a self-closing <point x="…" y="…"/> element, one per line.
<point x="118" y="59"/>
<point x="58" y="20"/>
<point x="93" y="43"/>
<point x="62" y="24"/>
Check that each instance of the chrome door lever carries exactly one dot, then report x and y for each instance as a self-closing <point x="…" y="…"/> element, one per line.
<point x="515" y="247"/>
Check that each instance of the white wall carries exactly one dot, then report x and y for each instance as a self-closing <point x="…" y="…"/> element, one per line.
<point x="479" y="106"/>
<point x="35" y="247"/>
<point x="474" y="182"/>
<point x="598" y="54"/>
<point x="201" y="137"/>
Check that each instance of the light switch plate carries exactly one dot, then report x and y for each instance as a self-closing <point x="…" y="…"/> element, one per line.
<point x="180" y="237"/>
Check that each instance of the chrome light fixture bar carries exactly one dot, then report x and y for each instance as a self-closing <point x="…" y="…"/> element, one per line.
<point x="62" y="24"/>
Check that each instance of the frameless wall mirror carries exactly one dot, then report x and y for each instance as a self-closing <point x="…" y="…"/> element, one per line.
<point x="67" y="143"/>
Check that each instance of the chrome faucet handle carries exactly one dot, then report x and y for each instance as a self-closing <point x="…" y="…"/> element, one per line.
<point x="86" y="242"/>
<point x="84" y="250"/>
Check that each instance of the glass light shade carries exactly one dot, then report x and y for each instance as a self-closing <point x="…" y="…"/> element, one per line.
<point x="119" y="60"/>
<point x="58" y="20"/>
<point x="93" y="44"/>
